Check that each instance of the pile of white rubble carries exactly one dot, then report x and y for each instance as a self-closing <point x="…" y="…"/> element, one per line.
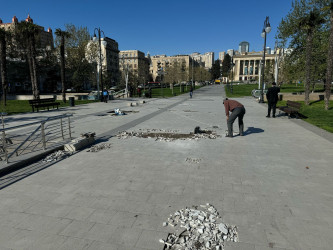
<point x="99" y="147"/>
<point x="165" y="135"/>
<point x="56" y="156"/>
<point x="202" y="229"/>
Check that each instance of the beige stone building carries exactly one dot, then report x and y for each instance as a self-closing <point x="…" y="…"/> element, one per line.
<point x="45" y="37"/>
<point x="109" y="56"/>
<point x="137" y="64"/>
<point x="247" y="65"/>
<point x="163" y="61"/>
<point x="205" y="60"/>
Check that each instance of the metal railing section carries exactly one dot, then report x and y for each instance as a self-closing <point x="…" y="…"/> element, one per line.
<point x="120" y="93"/>
<point x="30" y="137"/>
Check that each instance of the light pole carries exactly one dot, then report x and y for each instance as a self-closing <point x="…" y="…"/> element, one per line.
<point x="99" y="31"/>
<point x="126" y="75"/>
<point x="278" y="54"/>
<point x="266" y="29"/>
<point x="192" y="73"/>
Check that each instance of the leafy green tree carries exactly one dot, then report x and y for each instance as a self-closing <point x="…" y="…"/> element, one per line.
<point x="62" y="35"/>
<point x="329" y="60"/>
<point x="78" y="67"/>
<point x="226" y="65"/>
<point x="216" y="70"/>
<point x="304" y="31"/>
<point x="4" y="35"/>
<point x="269" y="71"/>
<point x="26" y="34"/>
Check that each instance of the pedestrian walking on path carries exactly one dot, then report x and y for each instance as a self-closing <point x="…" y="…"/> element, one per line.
<point x="272" y="99"/>
<point x="237" y="110"/>
<point x="105" y="96"/>
<point x="191" y="91"/>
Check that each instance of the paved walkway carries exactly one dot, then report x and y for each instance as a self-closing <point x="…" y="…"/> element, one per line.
<point x="274" y="183"/>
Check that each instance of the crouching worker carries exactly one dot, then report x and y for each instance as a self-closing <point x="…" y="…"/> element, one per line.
<point x="237" y="110"/>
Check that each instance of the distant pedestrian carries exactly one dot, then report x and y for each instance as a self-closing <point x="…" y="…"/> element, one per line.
<point x="191" y="91"/>
<point x="139" y="92"/>
<point x="237" y="110"/>
<point x="272" y="99"/>
<point x="105" y="95"/>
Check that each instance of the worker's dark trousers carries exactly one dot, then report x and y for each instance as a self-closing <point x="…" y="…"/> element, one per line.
<point x="271" y="106"/>
<point x="237" y="112"/>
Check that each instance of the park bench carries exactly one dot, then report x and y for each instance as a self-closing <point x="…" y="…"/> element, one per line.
<point x="43" y="103"/>
<point x="292" y="108"/>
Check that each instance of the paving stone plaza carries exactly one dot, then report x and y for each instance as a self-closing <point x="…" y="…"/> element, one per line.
<point x="273" y="185"/>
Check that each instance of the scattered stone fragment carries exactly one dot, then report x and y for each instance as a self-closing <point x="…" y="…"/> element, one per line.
<point x="193" y="160"/>
<point x="203" y="229"/>
<point x="99" y="147"/>
<point x="166" y="135"/>
<point x="56" y="156"/>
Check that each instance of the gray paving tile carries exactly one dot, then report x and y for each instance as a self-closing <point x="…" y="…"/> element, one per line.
<point x="126" y="237"/>
<point x="150" y="240"/>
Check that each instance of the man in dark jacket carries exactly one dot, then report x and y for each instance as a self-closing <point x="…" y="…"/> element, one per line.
<point x="237" y="110"/>
<point x="272" y="99"/>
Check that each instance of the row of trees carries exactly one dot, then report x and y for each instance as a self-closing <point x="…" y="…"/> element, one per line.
<point x="178" y="72"/>
<point x="307" y="32"/>
<point x="27" y="58"/>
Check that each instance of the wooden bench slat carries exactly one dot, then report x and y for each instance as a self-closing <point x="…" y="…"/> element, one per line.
<point x="291" y="108"/>
<point x="46" y="102"/>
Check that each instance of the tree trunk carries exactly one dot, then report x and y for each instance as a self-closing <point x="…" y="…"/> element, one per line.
<point x="62" y="68"/>
<point x="3" y="68"/>
<point x="33" y="68"/>
<point x="308" y="67"/>
<point x="329" y="64"/>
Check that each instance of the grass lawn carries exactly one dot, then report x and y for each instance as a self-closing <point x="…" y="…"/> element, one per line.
<point x="167" y="92"/>
<point x="23" y="106"/>
<point x="316" y="114"/>
<point x="245" y="89"/>
<point x="240" y="90"/>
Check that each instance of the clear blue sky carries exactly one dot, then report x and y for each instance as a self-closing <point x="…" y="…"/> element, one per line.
<point x="161" y="27"/>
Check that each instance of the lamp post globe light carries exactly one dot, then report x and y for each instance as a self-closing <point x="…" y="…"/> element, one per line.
<point x="100" y="79"/>
<point x="266" y="29"/>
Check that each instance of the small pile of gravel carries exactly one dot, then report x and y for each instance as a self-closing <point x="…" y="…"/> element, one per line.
<point x="99" y="147"/>
<point x="56" y="156"/>
<point x="204" y="229"/>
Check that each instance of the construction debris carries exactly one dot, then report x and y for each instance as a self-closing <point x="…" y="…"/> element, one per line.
<point x="162" y="135"/>
<point x="57" y="156"/>
<point x="99" y="147"/>
<point x="193" y="160"/>
<point x="79" y="143"/>
<point x="204" y="229"/>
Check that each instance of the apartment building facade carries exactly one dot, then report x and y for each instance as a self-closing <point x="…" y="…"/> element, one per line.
<point x="135" y="62"/>
<point x="163" y="61"/>
<point x="109" y="57"/>
<point x="45" y="37"/>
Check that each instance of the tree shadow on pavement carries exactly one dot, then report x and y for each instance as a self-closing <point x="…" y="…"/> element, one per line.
<point x="253" y="130"/>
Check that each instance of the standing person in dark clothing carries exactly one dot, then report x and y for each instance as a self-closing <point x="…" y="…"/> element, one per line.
<point x="237" y="110"/>
<point x="272" y="98"/>
<point x="191" y="91"/>
<point x="105" y="95"/>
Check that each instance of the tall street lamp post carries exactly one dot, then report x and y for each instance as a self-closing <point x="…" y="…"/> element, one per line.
<point x="99" y="31"/>
<point x="125" y="69"/>
<point x="266" y="29"/>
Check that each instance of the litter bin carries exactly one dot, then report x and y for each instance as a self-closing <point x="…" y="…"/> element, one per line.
<point x="71" y="101"/>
